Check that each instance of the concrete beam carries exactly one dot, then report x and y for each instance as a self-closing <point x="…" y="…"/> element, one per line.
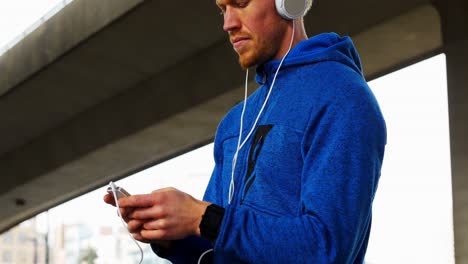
<point x="454" y="20"/>
<point x="400" y="41"/>
<point x="75" y="23"/>
<point x="65" y="67"/>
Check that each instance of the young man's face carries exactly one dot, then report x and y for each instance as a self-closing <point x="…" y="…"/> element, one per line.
<point x="256" y="30"/>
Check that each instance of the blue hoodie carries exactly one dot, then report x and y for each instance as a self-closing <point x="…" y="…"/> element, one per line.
<point x="306" y="178"/>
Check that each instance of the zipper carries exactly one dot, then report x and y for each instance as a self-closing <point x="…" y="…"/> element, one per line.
<point x="254" y="152"/>
<point x="247" y="186"/>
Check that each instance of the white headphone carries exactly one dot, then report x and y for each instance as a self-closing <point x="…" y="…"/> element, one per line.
<point x="291" y="9"/>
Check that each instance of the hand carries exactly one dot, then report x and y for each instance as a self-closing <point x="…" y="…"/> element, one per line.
<point x="134" y="226"/>
<point x="165" y="214"/>
<point x="109" y="199"/>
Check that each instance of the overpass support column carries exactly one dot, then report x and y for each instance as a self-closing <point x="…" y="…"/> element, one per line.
<point x="454" y="17"/>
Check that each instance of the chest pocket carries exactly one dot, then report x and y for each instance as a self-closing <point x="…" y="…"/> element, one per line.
<point x="272" y="183"/>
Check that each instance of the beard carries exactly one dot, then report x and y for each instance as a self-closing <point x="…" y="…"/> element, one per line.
<point x="260" y="50"/>
<point x="258" y="53"/>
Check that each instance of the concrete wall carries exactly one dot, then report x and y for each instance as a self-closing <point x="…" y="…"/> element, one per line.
<point x="454" y="15"/>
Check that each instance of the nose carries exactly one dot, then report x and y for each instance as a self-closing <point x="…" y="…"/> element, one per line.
<point x="231" y="20"/>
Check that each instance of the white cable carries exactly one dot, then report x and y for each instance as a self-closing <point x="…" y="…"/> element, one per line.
<point x="112" y="185"/>
<point x="234" y="159"/>
<point x="239" y="146"/>
<point x="202" y="255"/>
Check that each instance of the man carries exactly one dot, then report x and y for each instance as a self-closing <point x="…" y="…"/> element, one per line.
<point x="296" y="170"/>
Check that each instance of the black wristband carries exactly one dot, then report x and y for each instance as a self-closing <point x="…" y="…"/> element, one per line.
<point x="211" y="222"/>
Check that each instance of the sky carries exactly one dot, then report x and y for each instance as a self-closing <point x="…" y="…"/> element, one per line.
<point x="415" y="179"/>
<point x="18" y="17"/>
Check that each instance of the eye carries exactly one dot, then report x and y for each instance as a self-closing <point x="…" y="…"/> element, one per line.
<point x="232" y="4"/>
<point x="240" y="3"/>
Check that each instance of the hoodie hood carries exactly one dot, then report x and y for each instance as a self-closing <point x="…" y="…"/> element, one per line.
<point x="323" y="47"/>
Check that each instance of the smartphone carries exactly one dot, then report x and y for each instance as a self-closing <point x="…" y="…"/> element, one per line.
<point x="119" y="192"/>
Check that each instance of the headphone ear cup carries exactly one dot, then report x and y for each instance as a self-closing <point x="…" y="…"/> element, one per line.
<point x="291" y="9"/>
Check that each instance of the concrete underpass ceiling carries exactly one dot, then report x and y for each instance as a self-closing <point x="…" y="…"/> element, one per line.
<point x="106" y="88"/>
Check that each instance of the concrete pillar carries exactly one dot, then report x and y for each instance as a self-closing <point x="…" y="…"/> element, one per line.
<point x="454" y="15"/>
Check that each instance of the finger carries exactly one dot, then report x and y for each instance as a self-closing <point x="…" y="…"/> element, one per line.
<point x="109" y="199"/>
<point x="123" y="212"/>
<point x="155" y="212"/>
<point x="120" y="214"/>
<point x="134" y="225"/>
<point x="139" y="237"/>
<point x="155" y="234"/>
<point x="123" y="215"/>
<point x="158" y="224"/>
<point x="139" y="200"/>
<point x="166" y="189"/>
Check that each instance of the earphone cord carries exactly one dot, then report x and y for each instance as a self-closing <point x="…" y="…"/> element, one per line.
<point x="112" y="185"/>
<point x="204" y="253"/>
<point x="239" y="146"/>
<point x="234" y="159"/>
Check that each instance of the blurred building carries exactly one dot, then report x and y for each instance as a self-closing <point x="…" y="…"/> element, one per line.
<point x="111" y="245"/>
<point x="71" y="244"/>
<point x="22" y="244"/>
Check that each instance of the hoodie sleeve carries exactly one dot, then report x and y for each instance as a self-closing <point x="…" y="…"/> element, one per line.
<point x="190" y="249"/>
<point x="342" y="150"/>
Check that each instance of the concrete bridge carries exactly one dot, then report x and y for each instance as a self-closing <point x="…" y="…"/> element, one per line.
<point x="106" y="88"/>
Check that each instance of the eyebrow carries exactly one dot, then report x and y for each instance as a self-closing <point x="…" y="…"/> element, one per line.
<point x="223" y="2"/>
